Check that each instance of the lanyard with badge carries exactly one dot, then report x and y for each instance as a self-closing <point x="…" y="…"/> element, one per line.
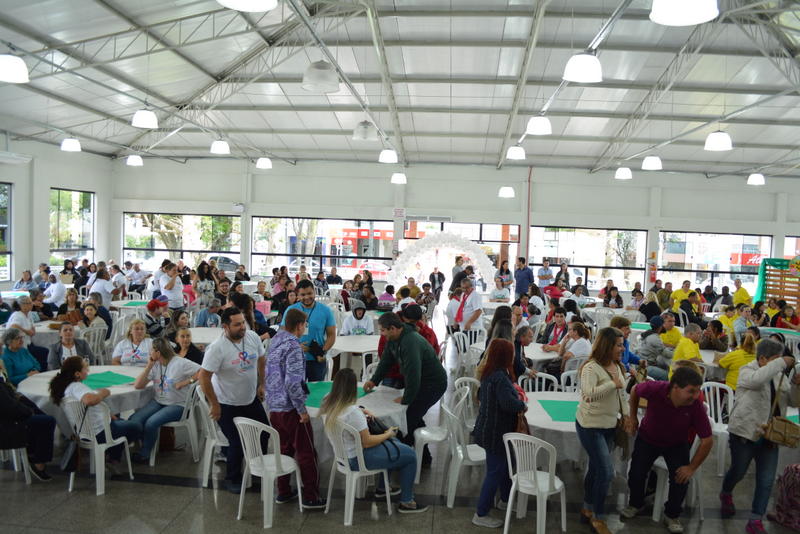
<point x="308" y="319"/>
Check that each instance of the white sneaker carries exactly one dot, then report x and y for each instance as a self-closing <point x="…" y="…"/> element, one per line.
<point x="486" y="521"/>
<point x="629" y="512"/>
<point x="673" y="525"/>
<point x="501" y="505"/>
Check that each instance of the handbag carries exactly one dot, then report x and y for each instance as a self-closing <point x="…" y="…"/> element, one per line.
<point x="781" y="430"/>
<point x="620" y="436"/>
<point x="377" y="427"/>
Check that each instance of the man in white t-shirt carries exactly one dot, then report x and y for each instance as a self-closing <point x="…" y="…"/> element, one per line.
<point x="172" y="287"/>
<point x="470" y="310"/>
<point x="232" y="379"/>
<point x="138" y="278"/>
<point x="55" y="293"/>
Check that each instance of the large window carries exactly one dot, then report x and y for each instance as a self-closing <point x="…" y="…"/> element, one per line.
<point x="595" y="254"/>
<point x="791" y="247"/>
<point x="711" y="259"/>
<point x="5" y="232"/>
<point x="349" y="245"/>
<point x="71" y="225"/>
<point x="149" y="238"/>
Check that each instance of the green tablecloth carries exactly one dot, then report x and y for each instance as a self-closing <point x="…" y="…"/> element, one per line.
<point x="784" y="331"/>
<point x="560" y="411"/>
<point x="107" y="379"/>
<point x="640" y="326"/>
<point x="135" y="303"/>
<point x="795" y="418"/>
<point x="318" y="390"/>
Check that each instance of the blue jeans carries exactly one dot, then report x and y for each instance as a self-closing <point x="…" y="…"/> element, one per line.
<point x="496" y="477"/>
<point x="743" y="451"/>
<point x="598" y="443"/>
<point x="377" y="457"/>
<point x="119" y="428"/>
<point x="657" y="373"/>
<point x="315" y="371"/>
<point x="150" y="417"/>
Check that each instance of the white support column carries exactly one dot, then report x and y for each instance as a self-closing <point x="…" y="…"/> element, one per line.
<point x="779" y="233"/>
<point x="653" y="231"/>
<point x="526" y="217"/>
<point x="246" y="241"/>
<point x="399" y="221"/>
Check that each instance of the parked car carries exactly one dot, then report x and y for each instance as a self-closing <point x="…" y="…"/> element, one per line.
<point x="312" y="266"/>
<point x="225" y="263"/>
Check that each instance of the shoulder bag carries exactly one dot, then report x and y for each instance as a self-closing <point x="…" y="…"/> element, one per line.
<point x="781" y="430"/>
<point x="377" y="427"/>
<point x="620" y="436"/>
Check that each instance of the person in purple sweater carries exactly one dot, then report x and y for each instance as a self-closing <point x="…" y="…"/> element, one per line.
<point x="286" y="395"/>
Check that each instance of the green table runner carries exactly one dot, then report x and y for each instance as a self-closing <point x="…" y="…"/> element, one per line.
<point x="318" y="390"/>
<point x="107" y="379"/>
<point x="560" y="411"/>
<point x="795" y="418"/>
<point x="785" y="331"/>
<point x="135" y="303"/>
<point x="640" y="326"/>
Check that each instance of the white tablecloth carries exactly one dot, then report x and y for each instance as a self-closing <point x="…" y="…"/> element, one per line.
<point x="533" y="351"/>
<point x="349" y="345"/>
<point x="490" y="307"/>
<point x="122" y="398"/>
<point x="561" y="435"/>
<point x="205" y="335"/>
<point x="591" y="311"/>
<point x="45" y="336"/>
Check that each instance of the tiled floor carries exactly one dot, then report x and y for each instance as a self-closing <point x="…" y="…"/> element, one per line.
<point x="167" y="498"/>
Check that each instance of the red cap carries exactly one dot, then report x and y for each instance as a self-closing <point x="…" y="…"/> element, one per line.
<point x="156" y="303"/>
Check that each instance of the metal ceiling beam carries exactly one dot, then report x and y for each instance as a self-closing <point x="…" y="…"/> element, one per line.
<point x="154" y="35"/>
<point x="522" y="78"/>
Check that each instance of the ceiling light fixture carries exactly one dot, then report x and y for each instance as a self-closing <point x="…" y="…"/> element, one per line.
<point x="250" y="6"/>
<point x="320" y="77"/>
<point x="365" y="131"/>
<point x="263" y="163"/>
<point x="13" y="69"/>
<point x="683" y="12"/>
<point x="584" y="67"/>
<point x="539" y="126"/>
<point x="70" y="144"/>
<point x="515" y="152"/>
<point x="387" y="155"/>
<point x="134" y="160"/>
<point x="756" y="179"/>
<point x="144" y="118"/>
<point x="718" y="141"/>
<point x="506" y="192"/>
<point x="399" y="178"/>
<point x="220" y="147"/>
<point x="623" y="173"/>
<point x="652" y="163"/>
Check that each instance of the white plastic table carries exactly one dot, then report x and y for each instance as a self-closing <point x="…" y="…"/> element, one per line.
<point x="490" y="307"/>
<point x="562" y="435"/>
<point x="133" y="307"/>
<point x="205" y="335"/>
<point x="533" y="351"/>
<point x="349" y="345"/>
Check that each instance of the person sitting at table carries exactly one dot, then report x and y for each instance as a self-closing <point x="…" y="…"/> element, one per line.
<point x="387" y="298"/>
<point x="689" y="305"/>
<point x="135" y="349"/>
<point x="67" y="346"/>
<point x="671" y="336"/>
<point x="637" y="300"/>
<point x="19" y="362"/>
<point x="171" y="377"/>
<point x="90" y="317"/>
<point x="25" y="283"/>
<point x="612" y="298"/>
<point x="289" y="300"/>
<point x="499" y="408"/>
<point x="23" y="321"/>
<point x="734" y="360"/>
<point x="237" y="287"/>
<point x="575" y="346"/>
<point x="333" y="278"/>
<point x="688" y="347"/>
<point x="179" y="319"/>
<point x="70" y="310"/>
<point x="69" y="383"/>
<point x="555" y="331"/>
<point x="709" y="295"/>
<point x="714" y="337"/>
<point x="628" y="359"/>
<point x="320" y="284"/>
<point x="184" y="347"/>
<point x="759" y="315"/>
<point x="69" y="271"/>
<point x="777" y="336"/>
<point x="42" y="311"/>
<point x="772" y="308"/>
<point x="355" y="292"/>
<point x="404" y="297"/>
<point x="427" y="298"/>
<point x="358" y="323"/>
<point x="241" y="274"/>
<point x="652" y="350"/>
<point x="523" y="303"/>
<point x="663" y="295"/>
<point x="224" y="292"/>
<point x="54" y="293"/>
<point x="517" y="320"/>
<point x="602" y="382"/>
<point x="369" y="299"/>
<point x="788" y="319"/>
<point x="24" y="425"/>
<point x="102" y="311"/>
<point x="500" y="292"/>
<point x="742" y="323"/>
<point x="555" y="291"/>
<point x="650" y="308"/>
<point x="571" y="307"/>
<point x="209" y="316"/>
<point x="579" y="284"/>
<point x="523" y="336"/>
<point x="261" y="290"/>
<point x="154" y="319"/>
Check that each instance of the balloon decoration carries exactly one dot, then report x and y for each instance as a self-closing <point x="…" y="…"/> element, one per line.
<point x="405" y="265"/>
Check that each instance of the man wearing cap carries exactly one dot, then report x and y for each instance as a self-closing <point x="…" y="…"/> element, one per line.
<point x="653" y="351"/>
<point x="154" y="319"/>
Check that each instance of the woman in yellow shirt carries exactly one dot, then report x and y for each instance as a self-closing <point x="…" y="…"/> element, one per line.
<point x="733" y="361"/>
<point x="772" y="307"/>
<point x="688" y="347"/>
<point x="727" y="319"/>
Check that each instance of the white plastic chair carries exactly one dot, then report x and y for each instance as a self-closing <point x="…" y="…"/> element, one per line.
<point x="20" y="459"/>
<point x="719" y="399"/>
<point x="82" y="427"/>
<point x="540" y="382"/>
<point x="634" y="316"/>
<point x="341" y="464"/>
<point x="469" y="409"/>
<point x="569" y="381"/>
<point x="267" y="466"/>
<point x="683" y="318"/>
<point x="187" y="421"/>
<point x="369" y="371"/>
<point x="602" y="317"/>
<point x="662" y="486"/>
<point x="96" y="338"/>
<point x="461" y="453"/>
<point x="214" y="438"/>
<point x="133" y="295"/>
<point x="522" y="452"/>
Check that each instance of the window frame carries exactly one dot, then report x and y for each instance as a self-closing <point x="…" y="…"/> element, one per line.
<point x="75" y="252"/>
<point x="9" y="252"/>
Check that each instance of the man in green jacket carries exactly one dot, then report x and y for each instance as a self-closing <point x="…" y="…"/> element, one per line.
<point x="426" y="379"/>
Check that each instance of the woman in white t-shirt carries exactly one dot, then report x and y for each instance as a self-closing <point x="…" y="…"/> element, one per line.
<point x="172" y="287"/>
<point x="23" y="321"/>
<point x="135" y="348"/>
<point x="102" y="285"/>
<point x="382" y="451"/>
<point x="171" y="376"/>
<point x="576" y="347"/>
<point x="69" y="383"/>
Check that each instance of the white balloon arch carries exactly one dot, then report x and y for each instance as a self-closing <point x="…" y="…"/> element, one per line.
<point x="405" y="263"/>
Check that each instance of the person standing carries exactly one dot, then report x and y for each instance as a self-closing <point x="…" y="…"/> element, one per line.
<point x="436" y="279"/>
<point x="545" y="274"/>
<point x="232" y="379"/>
<point x="469" y="310"/>
<point x="286" y="398"/>
<point x="459" y="266"/>
<point x="523" y="277"/>
<point x="320" y="335"/>
<point x="741" y="296"/>
<point x="563" y="275"/>
<point x="172" y="287"/>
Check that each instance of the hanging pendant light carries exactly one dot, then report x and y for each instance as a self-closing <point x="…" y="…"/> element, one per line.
<point x="320" y="77"/>
<point x="365" y="131"/>
<point x="13" y="69"/>
<point x="399" y="178"/>
<point x="250" y="6"/>
<point x="387" y="155"/>
<point x="515" y="153"/>
<point x="683" y="12"/>
<point x="539" y="126"/>
<point x="652" y="163"/>
<point x="506" y="192"/>
<point x="584" y="67"/>
<point x="70" y="144"/>
<point x="220" y="147"/>
<point x="134" y="160"/>
<point x="718" y="141"/>
<point x="263" y="163"/>
<point x="144" y="118"/>
<point x="756" y="179"/>
<point x="623" y="173"/>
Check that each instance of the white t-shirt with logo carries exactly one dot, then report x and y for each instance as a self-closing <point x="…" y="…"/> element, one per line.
<point x="133" y="354"/>
<point x="164" y="379"/>
<point x="94" y="416"/>
<point x="354" y="417"/>
<point x="175" y="295"/>
<point x="235" y="368"/>
<point x="474" y="302"/>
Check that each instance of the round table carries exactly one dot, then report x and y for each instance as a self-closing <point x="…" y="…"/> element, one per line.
<point x="560" y="434"/>
<point x="591" y="311"/>
<point x="12" y="295"/>
<point x="349" y="345"/>
<point x="491" y="307"/>
<point x="122" y="398"/>
<point x="250" y="286"/>
<point x="533" y="351"/>
<point x="792" y="337"/>
<point x="205" y="335"/>
<point x="45" y="336"/>
<point x="133" y="307"/>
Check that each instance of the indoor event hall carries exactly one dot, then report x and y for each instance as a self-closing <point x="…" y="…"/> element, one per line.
<point x="410" y="265"/>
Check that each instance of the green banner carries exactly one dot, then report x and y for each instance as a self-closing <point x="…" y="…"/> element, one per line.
<point x="780" y="263"/>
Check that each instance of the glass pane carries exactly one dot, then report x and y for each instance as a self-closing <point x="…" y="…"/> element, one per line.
<point x="500" y="232"/>
<point x="791" y="247"/>
<point x="419" y="229"/>
<point x="712" y="252"/>
<point x="57" y="257"/>
<point x="347" y="268"/>
<point x="624" y="279"/>
<point x="586" y="246"/>
<point x="329" y="237"/>
<point x="5" y="266"/>
<point x="470" y="231"/>
<point x="71" y="219"/>
<point x="5" y="201"/>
